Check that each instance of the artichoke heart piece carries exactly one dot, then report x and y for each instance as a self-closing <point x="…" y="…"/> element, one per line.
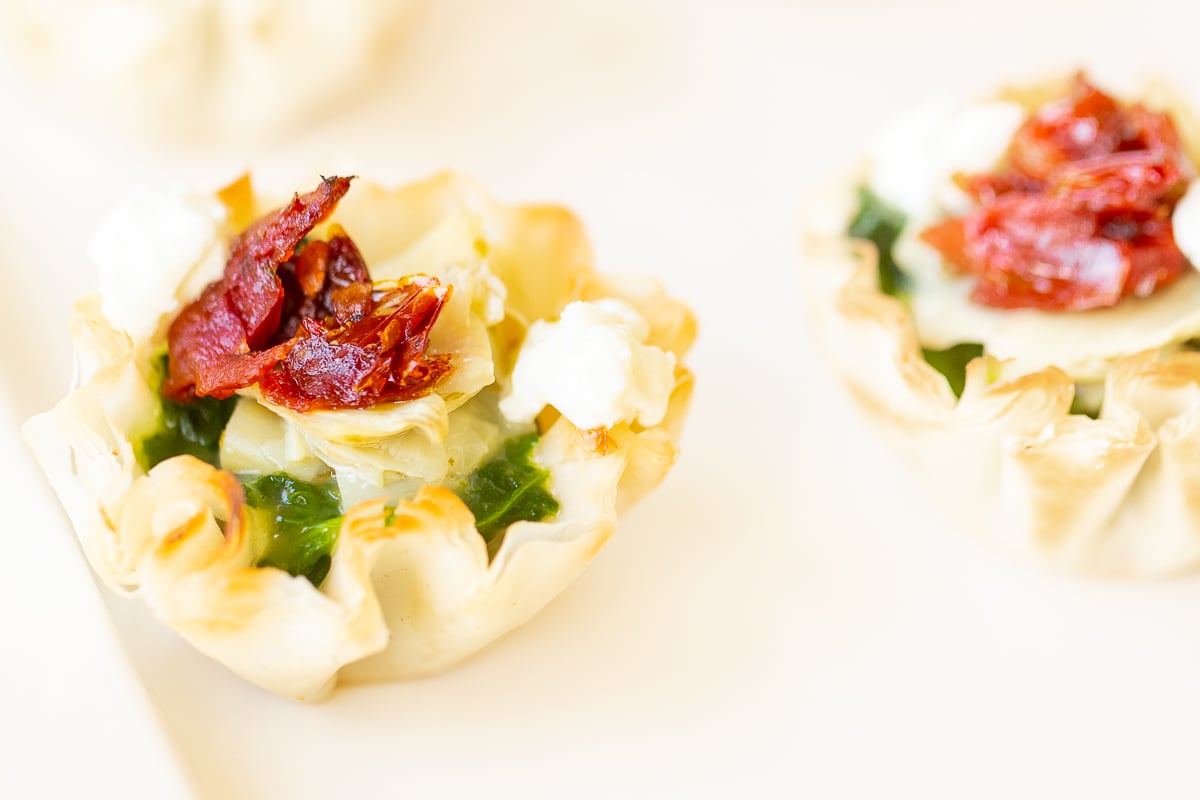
<point x="258" y="442"/>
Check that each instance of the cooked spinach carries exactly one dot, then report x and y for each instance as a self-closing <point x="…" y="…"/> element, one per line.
<point x="193" y="428"/>
<point x="880" y="224"/>
<point x="508" y="488"/>
<point x="303" y="523"/>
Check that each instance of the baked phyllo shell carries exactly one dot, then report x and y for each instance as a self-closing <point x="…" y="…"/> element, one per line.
<point x="411" y="586"/>
<point x="1115" y="491"/>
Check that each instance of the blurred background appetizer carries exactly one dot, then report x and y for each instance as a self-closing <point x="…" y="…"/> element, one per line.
<point x="1009" y="287"/>
<point x="205" y="69"/>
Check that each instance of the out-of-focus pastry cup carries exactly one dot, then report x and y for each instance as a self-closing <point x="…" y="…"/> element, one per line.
<point x="1007" y="461"/>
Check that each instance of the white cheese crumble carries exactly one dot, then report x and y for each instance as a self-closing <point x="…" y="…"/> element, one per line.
<point x="145" y="252"/>
<point x="592" y="366"/>
<point x="914" y="160"/>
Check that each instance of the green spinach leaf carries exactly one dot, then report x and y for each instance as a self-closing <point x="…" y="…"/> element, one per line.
<point x="192" y="428"/>
<point x="880" y="224"/>
<point x="506" y="489"/>
<point x="305" y="521"/>
<point x="952" y="362"/>
<point x="1084" y="406"/>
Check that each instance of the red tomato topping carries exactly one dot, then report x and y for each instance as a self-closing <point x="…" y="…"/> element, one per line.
<point x="314" y="276"/>
<point x="1081" y="217"/>
<point x="377" y="358"/>
<point x="304" y="320"/>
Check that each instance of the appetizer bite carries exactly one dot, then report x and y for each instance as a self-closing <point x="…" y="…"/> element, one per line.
<point x="1009" y="287"/>
<point x="364" y="434"/>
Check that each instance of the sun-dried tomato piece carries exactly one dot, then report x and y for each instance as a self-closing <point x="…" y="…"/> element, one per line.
<point x="311" y="266"/>
<point x="1032" y="253"/>
<point x="255" y="255"/>
<point x="375" y="358"/>
<point x="241" y="312"/>
<point x="1081" y="216"/>
<point x="302" y="279"/>
<point x="305" y="322"/>
<point x="207" y="331"/>
<point x="1119" y="182"/>
<point x="272" y="240"/>
<point x="350" y="303"/>
<point x="1084" y="124"/>
<point x="1155" y="260"/>
<point x="319" y="272"/>
<point x="949" y="238"/>
<point x="986" y="188"/>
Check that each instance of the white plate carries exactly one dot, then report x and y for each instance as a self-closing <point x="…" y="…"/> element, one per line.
<point x="785" y="617"/>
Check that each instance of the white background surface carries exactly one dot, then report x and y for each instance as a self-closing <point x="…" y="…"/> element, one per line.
<point x="786" y="616"/>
